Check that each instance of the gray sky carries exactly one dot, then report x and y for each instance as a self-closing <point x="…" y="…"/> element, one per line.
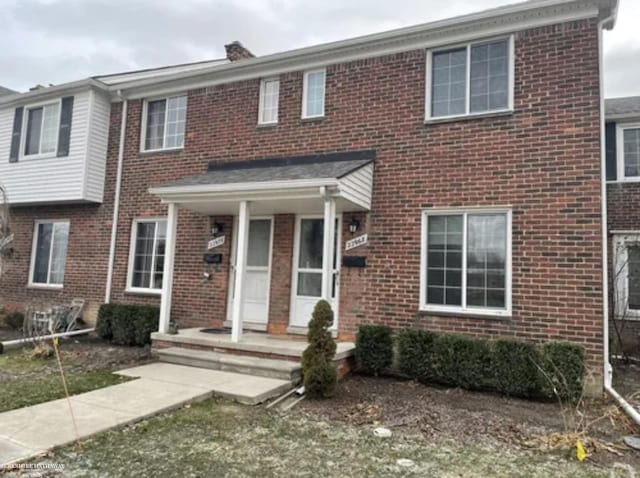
<point x="54" y="41"/>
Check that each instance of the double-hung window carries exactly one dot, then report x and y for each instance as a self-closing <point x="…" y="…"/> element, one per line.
<point x="269" y="95"/>
<point x="629" y="152"/>
<point x="471" y="79"/>
<point x="164" y="123"/>
<point x="41" y="133"/>
<point x="466" y="257"/>
<point x="146" y="261"/>
<point x="626" y="275"/>
<point x="49" y="253"/>
<point x="313" y="93"/>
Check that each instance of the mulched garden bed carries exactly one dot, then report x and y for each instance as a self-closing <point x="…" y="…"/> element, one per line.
<point x="445" y="415"/>
<point x="7" y="333"/>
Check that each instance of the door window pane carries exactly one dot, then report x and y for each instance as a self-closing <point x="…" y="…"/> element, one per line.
<point x="310" y="284"/>
<point x="311" y="243"/>
<point x="259" y="241"/>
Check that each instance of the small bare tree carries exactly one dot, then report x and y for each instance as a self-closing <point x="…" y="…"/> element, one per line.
<point x="6" y="236"/>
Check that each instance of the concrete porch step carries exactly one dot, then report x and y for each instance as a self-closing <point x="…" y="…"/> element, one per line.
<point x="256" y="366"/>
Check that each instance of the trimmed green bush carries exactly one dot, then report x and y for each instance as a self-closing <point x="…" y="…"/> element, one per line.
<point x="317" y="359"/>
<point x="320" y="380"/>
<point x="563" y="370"/>
<point x="415" y="352"/>
<point x="462" y="361"/>
<point x="126" y="324"/>
<point x="14" y="320"/>
<point x="374" y="349"/>
<point x="515" y="367"/>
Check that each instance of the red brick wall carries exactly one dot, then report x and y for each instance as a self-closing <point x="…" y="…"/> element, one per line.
<point x="542" y="160"/>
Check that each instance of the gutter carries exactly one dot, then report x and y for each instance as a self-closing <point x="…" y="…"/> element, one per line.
<point x="116" y="201"/>
<point x="608" y="23"/>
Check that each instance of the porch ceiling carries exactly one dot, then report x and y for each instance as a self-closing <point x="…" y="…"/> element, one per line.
<point x="277" y="185"/>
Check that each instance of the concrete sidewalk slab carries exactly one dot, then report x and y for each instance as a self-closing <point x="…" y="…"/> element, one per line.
<point x="160" y="387"/>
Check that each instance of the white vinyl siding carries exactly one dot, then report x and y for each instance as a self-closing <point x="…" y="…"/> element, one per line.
<point x="49" y="179"/>
<point x="466" y="261"/>
<point x="269" y="98"/>
<point x="164" y="123"/>
<point x="313" y="94"/>
<point x="49" y="253"/>
<point x="471" y="79"/>
<point x="146" y="257"/>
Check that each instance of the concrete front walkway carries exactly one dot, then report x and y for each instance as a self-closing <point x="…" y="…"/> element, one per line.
<point x="29" y="431"/>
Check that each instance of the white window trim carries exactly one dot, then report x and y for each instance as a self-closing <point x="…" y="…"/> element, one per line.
<point x="620" y="177"/>
<point x="263" y="89"/>
<point x="132" y="256"/>
<point x="464" y="309"/>
<point x="468" y="113"/>
<point x="305" y="88"/>
<point x="620" y="275"/>
<point x="143" y="128"/>
<point x="23" y="134"/>
<point x="34" y="247"/>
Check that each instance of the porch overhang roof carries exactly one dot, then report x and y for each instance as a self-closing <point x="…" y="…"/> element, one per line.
<point x="277" y="185"/>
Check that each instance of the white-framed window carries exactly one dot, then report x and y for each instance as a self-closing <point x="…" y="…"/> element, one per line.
<point x="626" y="275"/>
<point x="49" y="253"/>
<point x="628" y="151"/>
<point x="163" y="123"/>
<point x="466" y="261"/>
<point x="146" y="256"/>
<point x="269" y="97"/>
<point x="41" y="126"/>
<point x="313" y="93"/>
<point x="470" y="79"/>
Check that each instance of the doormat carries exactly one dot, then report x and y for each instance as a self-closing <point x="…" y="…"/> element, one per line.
<point x="223" y="330"/>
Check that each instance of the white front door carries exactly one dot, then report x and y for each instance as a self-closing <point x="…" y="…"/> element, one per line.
<point x="307" y="269"/>
<point x="255" y="299"/>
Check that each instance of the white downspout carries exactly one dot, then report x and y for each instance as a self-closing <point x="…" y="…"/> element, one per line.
<point x="608" y="370"/>
<point x="116" y="201"/>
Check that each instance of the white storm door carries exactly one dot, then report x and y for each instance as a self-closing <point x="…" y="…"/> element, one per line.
<point x="307" y="270"/>
<point x="255" y="307"/>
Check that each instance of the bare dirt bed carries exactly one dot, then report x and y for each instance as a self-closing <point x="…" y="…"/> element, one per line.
<point x="441" y="415"/>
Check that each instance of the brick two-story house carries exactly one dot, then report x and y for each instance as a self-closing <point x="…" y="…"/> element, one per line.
<point x="444" y="176"/>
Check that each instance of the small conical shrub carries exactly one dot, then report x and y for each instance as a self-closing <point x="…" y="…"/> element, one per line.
<point x="320" y="376"/>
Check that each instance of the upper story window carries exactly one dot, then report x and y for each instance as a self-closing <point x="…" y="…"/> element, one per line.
<point x="629" y="151"/>
<point x="269" y="96"/>
<point x="471" y="79"/>
<point x="42" y="129"/>
<point x="466" y="262"/>
<point x="49" y="253"/>
<point x="313" y="92"/>
<point x="164" y="123"/>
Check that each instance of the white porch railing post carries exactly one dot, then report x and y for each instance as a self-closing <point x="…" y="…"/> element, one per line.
<point x="167" y="272"/>
<point x="241" y="262"/>
<point x="328" y="247"/>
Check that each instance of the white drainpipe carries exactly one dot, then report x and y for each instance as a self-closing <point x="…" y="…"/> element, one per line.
<point x="116" y="202"/>
<point x="608" y="370"/>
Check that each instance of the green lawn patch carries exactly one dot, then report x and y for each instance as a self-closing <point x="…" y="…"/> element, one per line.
<point x="216" y="438"/>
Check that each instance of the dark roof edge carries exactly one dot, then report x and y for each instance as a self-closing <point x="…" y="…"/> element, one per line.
<point x="292" y="160"/>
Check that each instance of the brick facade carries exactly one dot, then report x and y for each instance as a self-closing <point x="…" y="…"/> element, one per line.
<point x="542" y="160"/>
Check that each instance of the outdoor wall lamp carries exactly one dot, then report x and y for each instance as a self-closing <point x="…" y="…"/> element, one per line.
<point x="354" y="225"/>
<point x="218" y="228"/>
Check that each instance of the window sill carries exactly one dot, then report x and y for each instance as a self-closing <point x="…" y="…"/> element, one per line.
<point x="624" y="181"/>
<point x="35" y="157"/>
<point x="451" y="119"/>
<point x="272" y="125"/>
<point x="470" y="314"/>
<point x="152" y="152"/>
<point x="45" y="286"/>
<point x="312" y="119"/>
<point x="147" y="292"/>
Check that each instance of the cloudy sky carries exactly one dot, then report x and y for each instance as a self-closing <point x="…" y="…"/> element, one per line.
<point x="54" y="41"/>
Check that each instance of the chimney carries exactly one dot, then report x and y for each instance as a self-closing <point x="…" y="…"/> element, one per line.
<point x="236" y="51"/>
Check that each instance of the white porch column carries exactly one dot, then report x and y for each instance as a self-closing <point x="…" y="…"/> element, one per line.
<point x="241" y="262"/>
<point x="167" y="272"/>
<point x="328" y="247"/>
